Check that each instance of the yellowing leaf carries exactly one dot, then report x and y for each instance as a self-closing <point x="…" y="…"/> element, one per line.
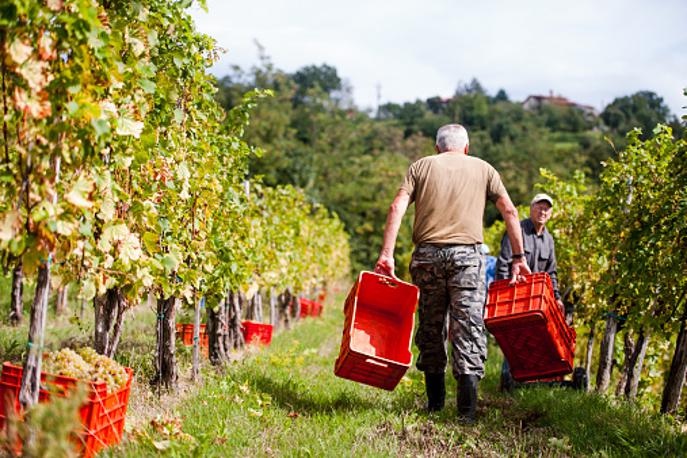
<point x="150" y="241"/>
<point x="162" y="445"/>
<point x="10" y="223"/>
<point x="37" y="105"/>
<point x="130" y="249"/>
<point x="170" y="261"/>
<point x="65" y="228"/>
<point x="55" y="5"/>
<point x="42" y="211"/>
<point x="183" y="172"/>
<point x="126" y="126"/>
<point x="137" y="46"/>
<point x="145" y="277"/>
<point x="184" y="194"/>
<point x="19" y="51"/>
<point x="125" y="161"/>
<point x="87" y="291"/>
<point x="107" y="209"/>
<point x="115" y="82"/>
<point x="79" y="196"/>
<point x="111" y="235"/>
<point x="46" y="47"/>
<point x="110" y="282"/>
<point x="36" y="74"/>
<point x="188" y="294"/>
<point x="108" y="109"/>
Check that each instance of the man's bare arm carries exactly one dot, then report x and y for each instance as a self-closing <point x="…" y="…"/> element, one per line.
<point x="385" y="263"/>
<point x="510" y="217"/>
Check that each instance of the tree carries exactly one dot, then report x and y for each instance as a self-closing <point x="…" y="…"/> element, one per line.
<point x="643" y="109"/>
<point x="564" y="118"/>
<point x="473" y="87"/>
<point x="501" y="96"/>
<point x="436" y="105"/>
<point x="323" y="77"/>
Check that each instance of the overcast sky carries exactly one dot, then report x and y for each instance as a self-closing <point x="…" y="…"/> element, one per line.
<point x="589" y="51"/>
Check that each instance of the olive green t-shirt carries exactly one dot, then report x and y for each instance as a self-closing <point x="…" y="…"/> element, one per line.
<point x="450" y="191"/>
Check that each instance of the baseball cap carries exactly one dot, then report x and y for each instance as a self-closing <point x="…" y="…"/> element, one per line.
<point x="541" y="196"/>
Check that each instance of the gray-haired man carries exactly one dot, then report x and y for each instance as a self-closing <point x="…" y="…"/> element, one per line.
<point x="540" y="255"/>
<point x="450" y="190"/>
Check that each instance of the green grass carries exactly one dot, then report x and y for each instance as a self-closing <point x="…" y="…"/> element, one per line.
<point x="286" y="401"/>
<point x="595" y="424"/>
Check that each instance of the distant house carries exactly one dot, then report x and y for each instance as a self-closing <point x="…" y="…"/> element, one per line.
<point x="534" y="102"/>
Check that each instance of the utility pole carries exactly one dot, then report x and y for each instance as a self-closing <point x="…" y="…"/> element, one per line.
<point x="378" y="87"/>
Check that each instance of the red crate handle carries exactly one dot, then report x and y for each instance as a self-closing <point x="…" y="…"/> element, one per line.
<point x="378" y="363"/>
<point x="387" y="282"/>
<point x="515" y="295"/>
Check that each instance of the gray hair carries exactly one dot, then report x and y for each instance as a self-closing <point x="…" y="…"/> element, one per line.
<point x="452" y="137"/>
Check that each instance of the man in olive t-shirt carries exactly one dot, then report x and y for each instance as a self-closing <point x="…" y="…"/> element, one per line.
<point x="450" y="191"/>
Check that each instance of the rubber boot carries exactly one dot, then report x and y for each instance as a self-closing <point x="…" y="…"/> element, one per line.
<point x="436" y="391"/>
<point x="467" y="398"/>
<point x="507" y="383"/>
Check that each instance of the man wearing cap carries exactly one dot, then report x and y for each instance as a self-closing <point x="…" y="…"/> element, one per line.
<point x="539" y="253"/>
<point x="450" y="190"/>
<point x="539" y="248"/>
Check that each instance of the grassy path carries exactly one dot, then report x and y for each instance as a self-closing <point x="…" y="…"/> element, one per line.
<point x="286" y="401"/>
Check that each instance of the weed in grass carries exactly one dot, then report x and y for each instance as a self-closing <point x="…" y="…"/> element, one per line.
<point x="48" y="429"/>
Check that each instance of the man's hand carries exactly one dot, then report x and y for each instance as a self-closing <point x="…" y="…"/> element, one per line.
<point x="569" y="319"/>
<point x="561" y="306"/>
<point x="385" y="265"/>
<point x="519" y="269"/>
<point x="568" y="316"/>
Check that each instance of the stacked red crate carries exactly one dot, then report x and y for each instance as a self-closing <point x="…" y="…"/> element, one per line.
<point x="530" y="328"/>
<point x="102" y="415"/>
<point x="185" y="333"/>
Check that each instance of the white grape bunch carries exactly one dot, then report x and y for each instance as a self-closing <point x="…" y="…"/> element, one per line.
<point x="88" y="365"/>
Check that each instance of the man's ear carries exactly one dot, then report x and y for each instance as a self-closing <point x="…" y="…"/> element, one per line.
<point x="467" y="147"/>
<point x="436" y="148"/>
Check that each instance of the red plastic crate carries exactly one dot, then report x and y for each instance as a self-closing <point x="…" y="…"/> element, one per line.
<point x="102" y="415"/>
<point x="309" y="307"/>
<point x="185" y="333"/>
<point x="530" y="328"/>
<point x="316" y="309"/>
<point x="305" y="306"/>
<point x="380" y="316"/>
<point x="254" y="332"/>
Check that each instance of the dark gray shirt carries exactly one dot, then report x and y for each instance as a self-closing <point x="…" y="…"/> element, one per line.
<point x="539" y="253"/>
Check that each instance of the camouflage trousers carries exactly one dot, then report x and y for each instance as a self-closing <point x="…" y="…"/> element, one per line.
<point x="451" y="279"/>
